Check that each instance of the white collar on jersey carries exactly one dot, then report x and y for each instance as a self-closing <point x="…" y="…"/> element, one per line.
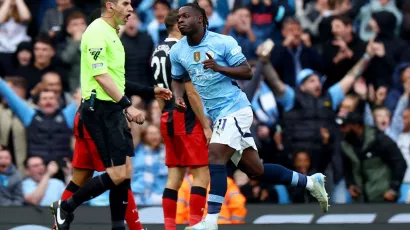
<point x="171" y="40"/>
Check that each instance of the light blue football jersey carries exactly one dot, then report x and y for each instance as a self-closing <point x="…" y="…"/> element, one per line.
<point x="220" y="94"/>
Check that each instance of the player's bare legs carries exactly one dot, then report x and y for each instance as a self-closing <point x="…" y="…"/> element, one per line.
<point x="250" y="164"/>
<point x="197" y="197"/>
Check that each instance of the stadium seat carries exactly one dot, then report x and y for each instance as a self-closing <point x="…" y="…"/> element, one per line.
<point x="404" y="191"/>
<point x="283" y="195"/>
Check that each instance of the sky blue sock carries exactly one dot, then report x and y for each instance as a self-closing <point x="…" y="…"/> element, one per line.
<point x="218" y="188"/>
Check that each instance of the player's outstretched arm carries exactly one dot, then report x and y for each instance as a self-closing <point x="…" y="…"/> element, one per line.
<point x="197" y="107"/>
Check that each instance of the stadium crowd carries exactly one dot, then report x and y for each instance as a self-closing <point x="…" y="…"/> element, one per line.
<point x="40" y="69"/>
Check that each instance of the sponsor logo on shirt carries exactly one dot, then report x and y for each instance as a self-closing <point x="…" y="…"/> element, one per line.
<point x="236" y="51"/>
<point x="95" y="52"/>
<point x="98" y="65"/>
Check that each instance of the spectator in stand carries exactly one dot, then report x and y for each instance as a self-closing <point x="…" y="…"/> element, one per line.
<point x="11" y="193"/>
<point x="23" y="57"/>
<point x="303" y="165"/>
<point x="400" y="75"/>
<point x="239" y="26"/>
<point x="267" y="16"/>
<point x="233" y="210"/>
<point x="404" y="143"/>
<point x="339" y="8"/>
<point x="350" y="104"/>
<point x="389" y="49"/>
<point x="137" y="64"/>
<point x="307" y="109"/>
<point x="14" y="17"/>
<point x="295" y="53"/>
<point x="51" y="81"/>
<point x="374" y="165"/>
<point x="343" y="52"/>
<point x="69" y="50"/>
<point x="367" y="12"/>
<point x="154" y="113"/>
<point x="156" y="28"/>
<point x="382" y="118"/>
<point x="49" y="129"/>
<point x="54" y="18"/>
<point x="44" y="62"/>
<point x="12" y="131"/>
<point x="39" y="187"/>
<point x="150" y="173"/>
<point x="313" y="14"/>
<point x="216" y="23"/>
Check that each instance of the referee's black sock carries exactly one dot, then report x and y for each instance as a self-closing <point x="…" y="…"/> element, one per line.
<point x="95" y="187"/>
<point x="118" y="204"/>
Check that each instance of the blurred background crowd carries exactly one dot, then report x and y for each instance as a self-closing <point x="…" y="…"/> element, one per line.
<point x="40" y="66"/>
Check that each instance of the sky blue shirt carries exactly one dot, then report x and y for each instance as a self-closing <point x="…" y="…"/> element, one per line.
<point x="288" y="98"/>
<point x="54" y="190"/>
<point x="220" y="94"/>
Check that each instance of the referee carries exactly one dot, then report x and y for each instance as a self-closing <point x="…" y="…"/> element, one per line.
<point x="102" y="113"/>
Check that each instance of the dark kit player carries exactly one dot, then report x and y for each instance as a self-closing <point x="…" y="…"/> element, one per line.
<point x="186" y="134"/>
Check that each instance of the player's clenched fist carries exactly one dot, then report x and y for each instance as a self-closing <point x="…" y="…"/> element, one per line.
<point x="135" y="115"/>
<point x="210" y="63"/>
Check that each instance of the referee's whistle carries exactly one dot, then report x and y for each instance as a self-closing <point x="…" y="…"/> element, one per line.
<point x="92" y="100"/>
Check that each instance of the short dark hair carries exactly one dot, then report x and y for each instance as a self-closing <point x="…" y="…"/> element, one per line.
<point x="291" y="20"/>
<point x="199" y="9"/>
<point x="53" y="73"/>
<point x="103" y="2"/>
<point x="45" y="40"/>
<point x="346" y="20"/>
<point x="28" y="158"/>
<point x="17" y="81"/>
<point x="162" y="2"/>
<point x="171" y="20"/>
<point x="75" y="15"/>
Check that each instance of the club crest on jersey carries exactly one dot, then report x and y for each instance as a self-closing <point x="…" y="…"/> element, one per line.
<point x="197" y="56"/>
<point x="95" y="52"/>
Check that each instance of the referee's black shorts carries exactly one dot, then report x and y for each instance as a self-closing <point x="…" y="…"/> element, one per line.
<point x="109" y="130"/>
